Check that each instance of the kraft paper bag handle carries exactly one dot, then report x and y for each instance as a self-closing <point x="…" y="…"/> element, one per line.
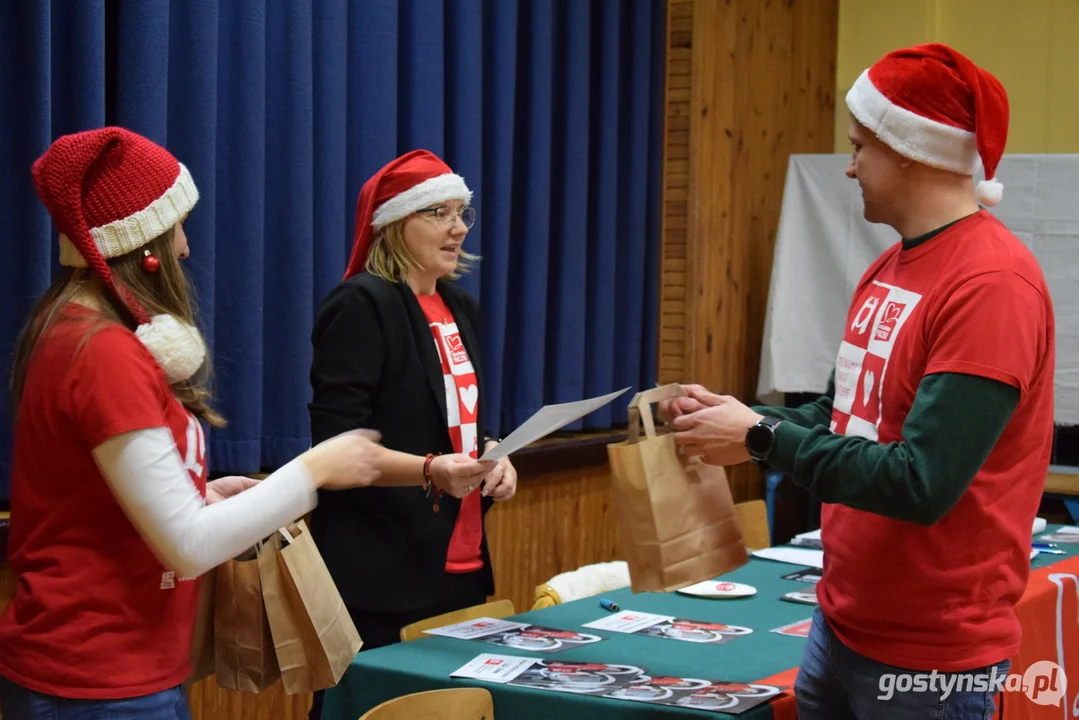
<point x="640" y="409"/>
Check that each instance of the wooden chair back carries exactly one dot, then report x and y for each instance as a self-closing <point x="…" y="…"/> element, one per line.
<point x="753" y="519"/>
<point x="497" y="609"/>
<point x="451" y="704"/>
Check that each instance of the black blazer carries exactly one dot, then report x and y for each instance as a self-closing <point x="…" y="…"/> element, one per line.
<point x="376" y="366"/>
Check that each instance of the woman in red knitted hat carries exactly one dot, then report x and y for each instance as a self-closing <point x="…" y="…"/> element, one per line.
<point x="112" y="520"/>
<point x="397" y="349"/>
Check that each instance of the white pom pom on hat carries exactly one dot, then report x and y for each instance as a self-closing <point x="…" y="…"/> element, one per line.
<point x="989" y="192"/>
<point x="177" y="346"/>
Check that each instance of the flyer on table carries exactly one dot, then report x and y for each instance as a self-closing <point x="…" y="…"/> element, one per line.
<point x="494" y="668"/>
<point x="668" y="627"/>
<point x="516" y="635"/>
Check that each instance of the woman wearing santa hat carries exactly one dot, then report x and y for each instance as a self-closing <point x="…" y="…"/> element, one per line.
<point x="397" y="349"/>
<point x="112" y="520"/>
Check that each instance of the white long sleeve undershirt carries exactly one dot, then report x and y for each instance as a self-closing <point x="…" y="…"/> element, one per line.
<point x="148" y="478"/>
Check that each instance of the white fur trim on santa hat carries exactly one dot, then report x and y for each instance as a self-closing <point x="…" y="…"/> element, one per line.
<point x="132" y="232"/>
<point x="178" y="347"/>
<point x="911" y="135"/>
<point x="427" y="193"/>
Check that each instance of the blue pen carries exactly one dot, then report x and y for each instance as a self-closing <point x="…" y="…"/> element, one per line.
<point x="1047" y="549"/>
<point x="608" y="605"/>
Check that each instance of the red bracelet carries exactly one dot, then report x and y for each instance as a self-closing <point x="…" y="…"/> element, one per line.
<point x="429" y="483"/>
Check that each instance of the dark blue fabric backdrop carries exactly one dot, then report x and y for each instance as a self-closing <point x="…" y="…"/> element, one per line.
<point x="52" y="82"/>
<point x="550" y="109"/>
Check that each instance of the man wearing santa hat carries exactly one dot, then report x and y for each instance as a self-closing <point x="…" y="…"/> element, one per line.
<point x="931" y="446"/>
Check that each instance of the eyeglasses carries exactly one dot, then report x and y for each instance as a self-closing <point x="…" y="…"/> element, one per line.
<point x="446" y="217"/>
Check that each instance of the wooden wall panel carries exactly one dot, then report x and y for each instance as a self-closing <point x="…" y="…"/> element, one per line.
<point x="556" y="522"/>
<point x="672" y="308"/>
<point x="209" y="702"/>
<point x="7" y="586"/>
<point x="762" y="86"/>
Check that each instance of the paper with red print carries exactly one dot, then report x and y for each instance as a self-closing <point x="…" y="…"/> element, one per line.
<point x="522" y="636"/>
<point x="669" y="627"/>
<point x="494" y="668"/>
<point x="798" y="629"/>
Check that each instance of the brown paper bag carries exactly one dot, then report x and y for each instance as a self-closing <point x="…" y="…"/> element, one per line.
<point x="313" y="634"/>
<point x="243" y="647"/>
<point x="676" y="515"/>
<point x="202" y="645"/>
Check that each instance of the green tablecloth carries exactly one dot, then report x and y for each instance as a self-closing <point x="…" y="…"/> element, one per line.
<point x="385" y="673"/>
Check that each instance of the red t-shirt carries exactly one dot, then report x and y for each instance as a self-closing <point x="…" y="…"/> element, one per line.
<point x="462" y="409"/>
<point x="971" y="300"/>
<point x="95" y="615"/>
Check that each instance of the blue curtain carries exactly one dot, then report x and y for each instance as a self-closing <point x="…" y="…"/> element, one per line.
<point x="52" y="82"/>
<point x="550" y="109"/>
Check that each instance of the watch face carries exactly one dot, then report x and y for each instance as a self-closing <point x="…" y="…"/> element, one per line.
<point x="759" y="440"/>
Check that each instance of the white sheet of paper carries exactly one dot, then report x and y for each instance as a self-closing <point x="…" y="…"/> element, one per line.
<point x="627" y="621"/>
<point x="1066" y="534"/>
<point x="1067" y="530"/>
<point x="478" y="628"/>
<point x="794" y="556"/>
<point x="545" y="421"/>
<point x="494" y="668"/>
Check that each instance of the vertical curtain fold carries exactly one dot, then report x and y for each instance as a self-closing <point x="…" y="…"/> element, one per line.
<point x="288" y="300"/>
<point x="566" y="323"/>
<point x="499" y="34"/>
<point x="239" y="226"/>
<point x="603" y="251"/>
<point x="52" y="82"/>
<point x="464" y="93"/>
<point x="530" y="219"/>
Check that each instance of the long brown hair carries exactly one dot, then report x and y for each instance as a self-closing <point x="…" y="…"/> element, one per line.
<point x="166" y="291"/>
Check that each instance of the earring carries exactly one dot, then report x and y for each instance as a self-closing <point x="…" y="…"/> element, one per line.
<point x="150" y="264"/>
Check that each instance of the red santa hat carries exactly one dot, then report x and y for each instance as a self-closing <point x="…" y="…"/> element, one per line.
<point x="110" y="192"/>
<point x="412" y="182"/>
<point x="933" y="105"/>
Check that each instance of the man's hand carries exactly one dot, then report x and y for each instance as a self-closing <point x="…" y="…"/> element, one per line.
<point x="226" y="487"/>
<point x="697" y="398"/>
<point x="716" y="431"/>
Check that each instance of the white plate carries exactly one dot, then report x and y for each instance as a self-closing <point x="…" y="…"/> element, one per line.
<point x="719" y="589"/>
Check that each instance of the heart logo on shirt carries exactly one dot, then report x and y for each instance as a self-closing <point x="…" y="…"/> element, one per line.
<point x="469" y="395"/>
<point x="867" y="386"/>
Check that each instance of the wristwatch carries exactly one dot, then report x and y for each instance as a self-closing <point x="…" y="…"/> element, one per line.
<point x="761" y="438"/>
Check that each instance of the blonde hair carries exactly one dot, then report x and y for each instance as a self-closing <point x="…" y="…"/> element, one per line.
<point x="166" y="291"/>
<point x="390" y="259"/>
